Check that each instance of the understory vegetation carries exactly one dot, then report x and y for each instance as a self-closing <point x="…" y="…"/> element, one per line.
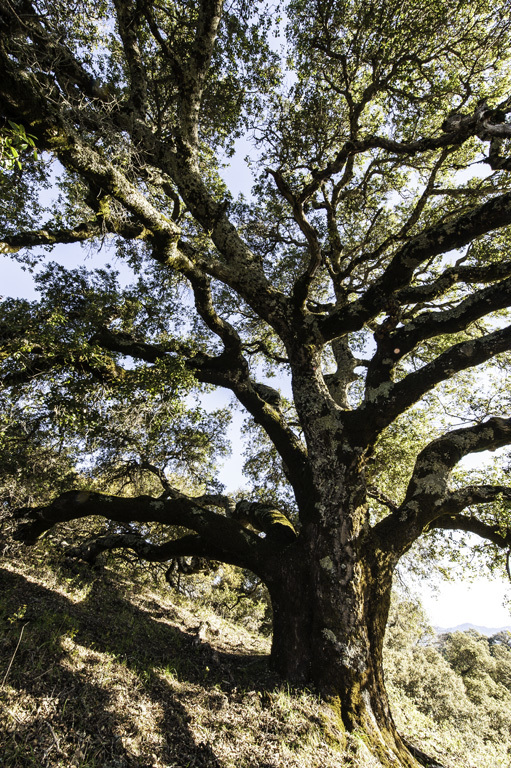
<point x="99" y="668"/>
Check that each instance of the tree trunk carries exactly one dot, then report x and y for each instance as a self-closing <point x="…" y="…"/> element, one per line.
<point x="329" y="618"/>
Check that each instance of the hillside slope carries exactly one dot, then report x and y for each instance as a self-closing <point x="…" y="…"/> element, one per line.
<point x="101" y="671"/>
<point x="112" y="674"/>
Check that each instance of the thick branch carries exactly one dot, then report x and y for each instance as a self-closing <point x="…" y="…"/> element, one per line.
<point x="387" y="401"/>
<point x="105" y="372"/>
<point x="265" y="518"/>
<point x="185" y="546"/>
<point x="393" y="345"/>
<point x="451" y="276"/>
<point x="477" y="305"/>
<point x="221" y="533"/>
<point x="128" y="20"/>
<point x="87" y="230"/>
<point x="440" y="456"/>
<point x="428" y="495"/>
<point x="228" y="370"/>
<point x="196" y="67"/>
<point x="50" y="236"/>
<point x="493" y="533"/>
<point x="97" y="169"/>
<point x="239" y="267"/>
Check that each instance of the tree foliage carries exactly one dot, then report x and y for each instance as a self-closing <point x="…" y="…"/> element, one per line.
<point x="454" y="685"/>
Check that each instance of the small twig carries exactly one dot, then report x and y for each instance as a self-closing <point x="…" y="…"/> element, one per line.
<point x="57" y="744"/>
<point x="14" y="654"/>
<point x="508" y="564"/>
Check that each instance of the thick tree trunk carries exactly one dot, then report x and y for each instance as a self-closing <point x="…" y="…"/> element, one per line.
<point x="328" y="631"/>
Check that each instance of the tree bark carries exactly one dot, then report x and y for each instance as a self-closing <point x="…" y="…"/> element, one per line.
<point x="329" y="618"/>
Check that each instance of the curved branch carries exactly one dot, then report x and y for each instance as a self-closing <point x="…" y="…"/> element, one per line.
<point x="472" y="525"/>
<point x="230" y="370"/>
<point x="429" y="324"/>
<point x="435" y="462"/>
<point x="50" y="236"/>
<point x="303" y="282"/>
<point x="220" y="533"/>
<point x="457" y="129"/>
<point x="195" y="68"/>
<point x="204" y="304"/>
<point x="90" y="549"/>
<point x="428" y="496"/>
<point x="106" y="372"/>
<point x="452" y="519"/>
<point x="265" y="518"/>
<point x="451" y="276"/>
<point x="185" y="546"/>
<point x="388" y="400"/>
<point x="128" y="18"/>
<point x="475" y="494"/>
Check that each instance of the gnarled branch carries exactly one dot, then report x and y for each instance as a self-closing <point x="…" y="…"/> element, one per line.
<point x="218" y="532"/>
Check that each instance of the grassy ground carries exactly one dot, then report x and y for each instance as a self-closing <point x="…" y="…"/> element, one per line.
<point x="98" y="670"/>
<point x="101" y="672"/>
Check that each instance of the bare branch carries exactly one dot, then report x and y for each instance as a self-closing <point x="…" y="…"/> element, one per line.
<point x="438" y="239"/>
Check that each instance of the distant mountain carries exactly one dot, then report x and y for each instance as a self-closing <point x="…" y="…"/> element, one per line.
<point x="488" y="631"/>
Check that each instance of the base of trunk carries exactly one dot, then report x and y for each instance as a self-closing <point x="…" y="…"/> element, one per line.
<point x="372" y="745"/>
<point x="320" y="645"/>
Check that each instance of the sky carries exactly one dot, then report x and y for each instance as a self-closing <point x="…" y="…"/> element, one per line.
<point x="479" y="603"/>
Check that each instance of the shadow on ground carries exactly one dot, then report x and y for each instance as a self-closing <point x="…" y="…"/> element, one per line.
<point x="100" y="682"/>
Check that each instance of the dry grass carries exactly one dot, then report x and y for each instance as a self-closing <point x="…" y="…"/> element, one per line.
<point x="112" y="674"/>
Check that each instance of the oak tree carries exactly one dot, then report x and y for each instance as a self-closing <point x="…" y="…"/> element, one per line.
<point x="368" y="267"/>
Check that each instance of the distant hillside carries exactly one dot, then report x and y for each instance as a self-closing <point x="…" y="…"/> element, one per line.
<point x="488" y="631"/>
